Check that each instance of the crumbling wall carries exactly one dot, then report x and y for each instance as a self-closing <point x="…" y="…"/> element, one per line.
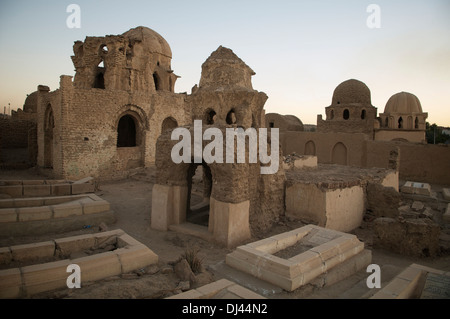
<point x="418" y="162"/>
<point x="413" y="237"/>
<point x="86" y="129"/>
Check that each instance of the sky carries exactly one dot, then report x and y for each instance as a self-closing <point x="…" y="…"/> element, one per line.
<point x="299" y="50"/>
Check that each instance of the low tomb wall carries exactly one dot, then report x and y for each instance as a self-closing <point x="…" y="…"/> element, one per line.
<point x="38" y="274"/>
<point x="41" y="215"/>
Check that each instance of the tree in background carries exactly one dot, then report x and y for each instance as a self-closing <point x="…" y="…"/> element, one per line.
<point x="434" y="134"/>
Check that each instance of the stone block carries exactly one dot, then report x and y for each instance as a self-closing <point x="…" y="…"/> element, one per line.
<point x="5" y="255"/>
<point x="11" y="182"/>
<point x="6" y="203"/>
<point x="85" y="180"/>
<point x="33" y="251"/>
<point x="126" y="240"/>
<point x="28" y="202"/>
<point x="244" y="293"/>
<point x="36" y="190"/>
<point x="110" y="237"/>
<point x="229" y="222"/>
<point x="66" y="210"/>
<point x="55" y="181"/>
<point x="69" y="245"/>
<point x="136" y="257"/>
<point x="8" y="215"/>
<point x="446" y="215"/>
<point x="82" y="188"/>
<point x="13" y="190"/>
<point x="446" y="193"/>
<point x="61" y="189"/>
<point x="96" y="207"/>
<point x="33" y="182"/>
<point x="209" y="290"/>
<point x="45" y="277"/>
<point x="191" y="294"/>
<point x="98" y="266"/>
<point x="34" y="213"/>
<point x="10" y="283"/>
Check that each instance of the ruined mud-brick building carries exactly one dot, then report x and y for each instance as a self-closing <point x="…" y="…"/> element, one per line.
<point x="352" y="134"/>
<point x="238" y="197"/>
<point x="18" y="139"/>
<point x="107" y="118"/>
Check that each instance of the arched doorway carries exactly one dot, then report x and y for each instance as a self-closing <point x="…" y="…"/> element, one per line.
<point x="126" y="132"/>
<point x="199" y="180"/>
<point x="130" y="143"/>
<point x="49" y="125"/>
<point x="339" y="154"/>
<point x="310" y="148"/>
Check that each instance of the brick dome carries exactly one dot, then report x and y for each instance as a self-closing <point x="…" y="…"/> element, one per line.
<point x="152" y="41"/>
<point x="403" y="102"/>
<point x="351" y="92"/>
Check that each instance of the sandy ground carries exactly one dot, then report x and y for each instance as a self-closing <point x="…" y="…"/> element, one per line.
<point x="131" y="201"/>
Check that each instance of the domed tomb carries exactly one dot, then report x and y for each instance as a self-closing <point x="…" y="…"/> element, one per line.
<point x="224" y="69"/>
<point x="137" y="60"/>
<point x="351" y="110"/>
<point x="403" y="110"/>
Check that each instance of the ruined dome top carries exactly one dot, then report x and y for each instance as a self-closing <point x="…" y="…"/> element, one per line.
<point x="224" y="68"/>
<point x="284" y="122"/>
<point x="151" y="40"/>
<point x="30" y="104"/>
<point x="351" y="92"/>
<point x="403" y="102"/>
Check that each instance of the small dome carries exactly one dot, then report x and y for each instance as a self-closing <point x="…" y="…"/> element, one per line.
<point x="30" y="104"/>
<point x="404" y="103"/>
<point x="284" y="122"/>
<point x="151" y="40"/>
<point x="351" y="92"/>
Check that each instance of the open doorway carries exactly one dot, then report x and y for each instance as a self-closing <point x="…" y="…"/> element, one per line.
<point x="49" y="126"/>
<point x="199" y="193"/>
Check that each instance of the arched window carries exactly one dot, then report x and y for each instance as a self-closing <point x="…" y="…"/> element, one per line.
<point x="231" y="117"/>
<point x="400" y="122"/>
<point x="99" y="81"/>
<point x="168" y="123"/>
<point x="210" y="117"/>
<point x="346" y="114"/>
<point x="416" y="123"/>
<point x="157" y="81"/>
<point x="386" y="122"/>
<point x="363" y="114"/>
<point x="126" y="131"/>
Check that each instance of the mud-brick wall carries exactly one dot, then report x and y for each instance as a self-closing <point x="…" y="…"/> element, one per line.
<point x="324" y="143"/>
<point x="14" y="133"/>
<point x="418" y="162"/>
<point x="89" y="135"/>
